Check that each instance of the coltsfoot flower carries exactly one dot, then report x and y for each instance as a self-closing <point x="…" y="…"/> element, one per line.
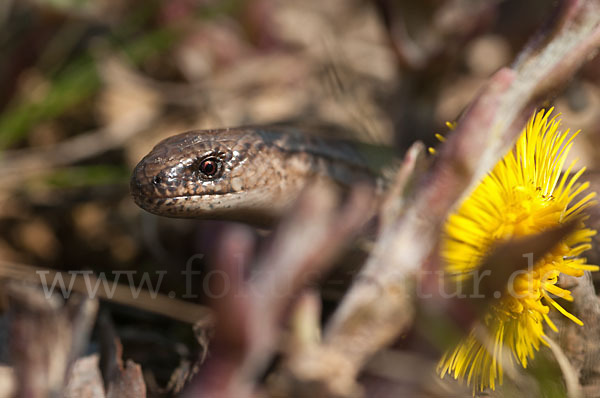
<point x="525" y="194"/>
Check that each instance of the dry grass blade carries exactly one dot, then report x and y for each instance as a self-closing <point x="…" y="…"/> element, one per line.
<point x="83" y="282"/>
<point x="569" y="374"/>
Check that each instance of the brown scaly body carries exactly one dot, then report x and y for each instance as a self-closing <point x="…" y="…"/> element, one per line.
<point x="248" y="174"/>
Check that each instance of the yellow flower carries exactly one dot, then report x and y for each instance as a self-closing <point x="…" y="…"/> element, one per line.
<point x="525" y="194"/>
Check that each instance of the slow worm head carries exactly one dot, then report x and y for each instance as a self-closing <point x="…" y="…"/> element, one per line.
<point x="249" y="174"/>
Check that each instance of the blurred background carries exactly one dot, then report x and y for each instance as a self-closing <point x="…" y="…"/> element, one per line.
<point x="87" y="87"/>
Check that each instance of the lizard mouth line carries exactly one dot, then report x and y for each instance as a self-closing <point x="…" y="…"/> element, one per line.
<point x="183" y="197"/>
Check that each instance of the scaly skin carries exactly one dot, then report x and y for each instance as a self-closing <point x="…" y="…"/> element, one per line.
<point x="261" y="170"/>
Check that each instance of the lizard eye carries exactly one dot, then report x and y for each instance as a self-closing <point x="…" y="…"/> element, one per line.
<point x="210" y="167"/>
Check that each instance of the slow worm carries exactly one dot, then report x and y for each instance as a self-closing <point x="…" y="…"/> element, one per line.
<point x="248" y="174"/>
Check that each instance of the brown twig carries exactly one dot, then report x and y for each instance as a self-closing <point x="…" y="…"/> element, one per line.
<point x="251" y="316"/>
